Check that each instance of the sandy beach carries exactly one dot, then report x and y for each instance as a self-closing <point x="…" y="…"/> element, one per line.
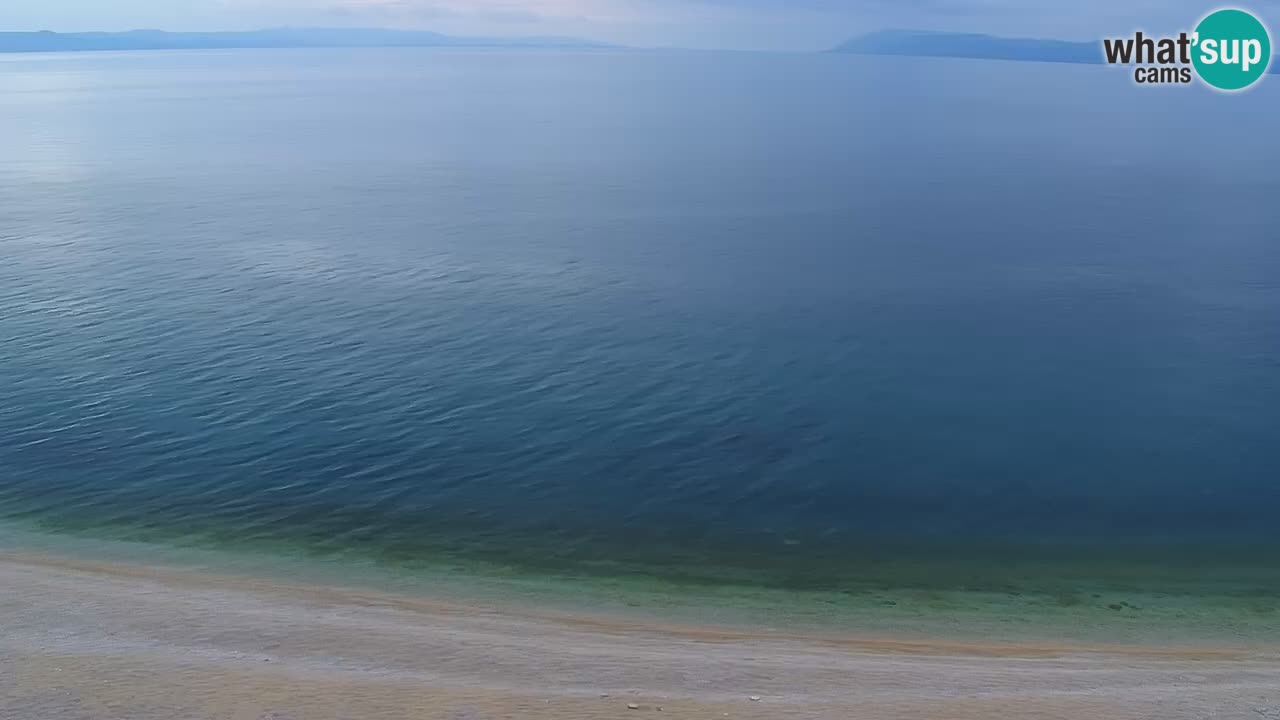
<point x="83" y="640"/>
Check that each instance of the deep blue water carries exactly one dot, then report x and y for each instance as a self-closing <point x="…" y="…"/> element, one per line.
<point x="726" y="312"/>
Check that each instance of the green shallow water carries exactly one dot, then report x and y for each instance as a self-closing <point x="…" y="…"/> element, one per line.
<point x="1107" y="600"/>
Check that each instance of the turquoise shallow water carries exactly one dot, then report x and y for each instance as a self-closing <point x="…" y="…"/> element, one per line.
<point x="1055" y="603"/>
<point x="819" y="324"/>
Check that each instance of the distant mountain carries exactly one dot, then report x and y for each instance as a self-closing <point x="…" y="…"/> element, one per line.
<point x="971" y="45"/>
<point x="924" y="43"/>
<point x="278" y="38"/>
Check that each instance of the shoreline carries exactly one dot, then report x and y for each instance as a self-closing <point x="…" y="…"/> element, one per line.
<point x="329" y="596"/>
<point x="1054" y="609"/>
<point x="1227" y="608"/>
<point x="86" y="639"/>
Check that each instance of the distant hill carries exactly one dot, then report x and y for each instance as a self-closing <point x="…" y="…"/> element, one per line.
<point x="971" y="45"/>
<point x="278" y="38"/>
<point x="922" y="43"/>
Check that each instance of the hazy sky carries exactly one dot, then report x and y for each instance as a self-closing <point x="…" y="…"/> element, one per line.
<point x="760" y="24"/>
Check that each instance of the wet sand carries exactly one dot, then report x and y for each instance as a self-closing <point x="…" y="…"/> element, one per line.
<point x="82" y="640"/>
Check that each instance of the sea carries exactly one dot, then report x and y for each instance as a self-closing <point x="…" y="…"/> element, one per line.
<point x="790" y="322"/>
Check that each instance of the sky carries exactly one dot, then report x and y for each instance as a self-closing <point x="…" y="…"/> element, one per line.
<point x="733" y="24"/>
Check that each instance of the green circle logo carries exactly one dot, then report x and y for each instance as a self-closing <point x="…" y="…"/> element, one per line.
<point x="1232" y="49"/>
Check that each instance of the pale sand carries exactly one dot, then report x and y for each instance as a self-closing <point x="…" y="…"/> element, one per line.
<point x="83" y="640"/>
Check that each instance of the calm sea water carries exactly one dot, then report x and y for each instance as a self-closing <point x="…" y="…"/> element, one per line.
<point x="704" y="315"/>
